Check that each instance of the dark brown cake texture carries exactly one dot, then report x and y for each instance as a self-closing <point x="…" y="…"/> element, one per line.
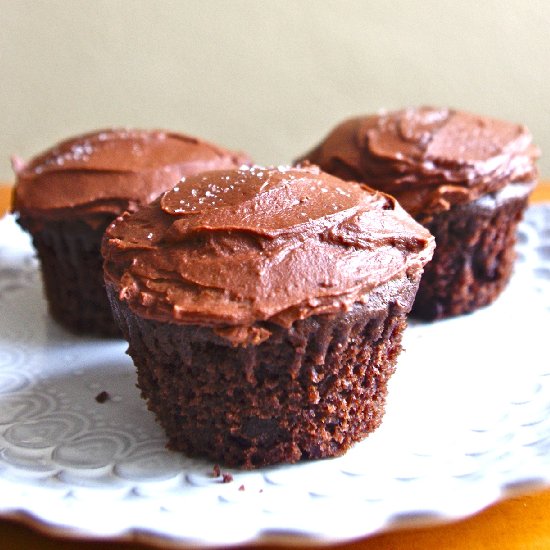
<point x="466" y="178"/>
<point x="66" y="197"/>
<point x="264" y="310"/>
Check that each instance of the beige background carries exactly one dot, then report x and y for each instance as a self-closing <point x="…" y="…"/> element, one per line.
<point x="269" y="77"/>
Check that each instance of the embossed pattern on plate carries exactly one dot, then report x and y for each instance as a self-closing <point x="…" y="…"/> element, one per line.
<point x="467" y="421"/>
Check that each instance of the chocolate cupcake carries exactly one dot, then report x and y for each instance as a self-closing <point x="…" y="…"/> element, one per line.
<point x="264" y="310"/>
<point x="465" y="177"/>
<point x="66" y="197"/>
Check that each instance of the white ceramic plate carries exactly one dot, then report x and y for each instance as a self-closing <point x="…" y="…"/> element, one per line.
<point x="468" y="420"/>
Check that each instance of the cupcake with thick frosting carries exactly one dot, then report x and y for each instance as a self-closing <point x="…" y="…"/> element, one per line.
<point x="264" y="309"/>
<point x="465" y="177"/>
<point x="67" y="196"/>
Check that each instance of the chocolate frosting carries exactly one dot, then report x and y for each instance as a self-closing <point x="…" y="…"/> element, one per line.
<point x="230" y="249"/>
<point x="429" y="159"/>
<point x="109" y="171"/>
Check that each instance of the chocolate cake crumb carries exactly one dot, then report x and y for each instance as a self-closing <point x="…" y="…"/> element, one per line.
<point x="474" y="258"/>
<point x="280" y="440"/>
<point x="216" y="472"/>
<point x="227" y="478"/>
<point x="102" y="397"/>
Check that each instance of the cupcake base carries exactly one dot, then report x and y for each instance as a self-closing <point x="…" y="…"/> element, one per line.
<point x="72" y="274"/>
<point x="306" y="392"/>
<point x="474" y="254"/>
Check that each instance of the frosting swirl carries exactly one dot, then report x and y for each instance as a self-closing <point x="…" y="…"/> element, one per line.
<point x="111" y="171"/>
<point x="233" y="248"/>
<point x="429" y="159"/>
